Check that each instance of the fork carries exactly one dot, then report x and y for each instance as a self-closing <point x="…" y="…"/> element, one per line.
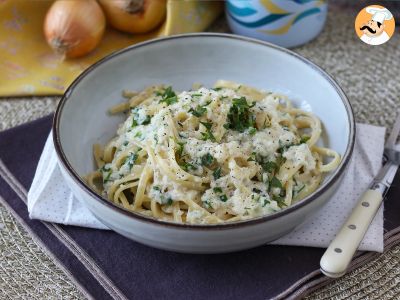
<point x="340" y="252"/>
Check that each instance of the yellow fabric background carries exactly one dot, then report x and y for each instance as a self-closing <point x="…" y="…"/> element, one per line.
<point x="29" y="67"/>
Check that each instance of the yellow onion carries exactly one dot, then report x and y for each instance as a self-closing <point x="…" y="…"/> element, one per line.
<point x="134" y="16"/>
<point x="74" y="27"/>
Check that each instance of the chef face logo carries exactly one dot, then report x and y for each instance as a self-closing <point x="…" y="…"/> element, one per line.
<point x="374" y="25"/>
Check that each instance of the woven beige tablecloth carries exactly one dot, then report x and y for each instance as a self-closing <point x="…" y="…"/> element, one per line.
<point x="369" y="76"/>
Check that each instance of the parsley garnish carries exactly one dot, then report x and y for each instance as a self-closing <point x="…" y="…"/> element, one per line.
<point x="107" y="177"/>
<point x="156" y="187"/>
<point x="255" y="190"/>
<point x="197" y="94"/>
<point x="167" y="201"/>
<point x="269" y="166"/>
<point x="252" y="157"/>
<point x="179" y="151"/>
<point x="282" y="148"/>
<point x="217" y="89"/>
<point x="208" y="135"/>
<point x="223" y="198"/>
<point x="168" y="96"/>
<point x="252" y="131"/>
<point x="304" y="139"/>
<point x="280" y="200"/>
<point x="239" y="116"/>
<point x="131" y="159"/>
<point x="301" y="188"/>
<point x="105" y="169"/>
<point x="265" y="202"/>
<point x="217" y="173"/>
<point x="295" y="193"/>
<point x="207" y="203"/>
<point x="187" y="166"/>
<point x="136" y="119"/>
<point x="217" y="190"/>
<point x="275" y="183"/>
<point x="198" y="111"/>
<point x="207" y="125"/>
<point x="207" y="160"/>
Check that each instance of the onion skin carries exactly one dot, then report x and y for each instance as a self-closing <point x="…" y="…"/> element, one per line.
<point x="74" y="28"/>
<point x="134" y="16"/>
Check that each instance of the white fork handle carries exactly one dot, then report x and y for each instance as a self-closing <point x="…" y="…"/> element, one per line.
<point x="337" y="257"/>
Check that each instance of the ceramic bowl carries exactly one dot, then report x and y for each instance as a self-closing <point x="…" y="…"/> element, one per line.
<point x="82" y="120"/>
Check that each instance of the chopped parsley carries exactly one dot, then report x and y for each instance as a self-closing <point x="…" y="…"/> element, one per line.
<point x="131" y="159"/>
<point x="252" y="130"/>
<point x="197" y="94"/>
<point x="156" y="187"/>
<point x="107" y="178"/>
<point x="265" y="202"/>
<point x="269" y="166"/>
<point x="280" y="200"/>
<point x="207" y="125"/>
<point x="179" y="151"/>
<point x="252" y="156"/>
<point x="136" y="120"/>
<point x="217" y="89"/>
<point x="239" y="116"/>
<point x="304" y="139"/>
<point x="282" y="148"/>
<point x="217" y="173"/>
<point x="104" y="169"/>
<point x="207" y="160"/>
<point x="198" y="111"/>
<point x="275" y="183"/>
<point x="255" y="190"/>
<point x="208" y="203"/>
<point x="138" y="134"/>
<point x="217" y="190"/>
<point x="301" y="188"/>
<point x="223" y="198"/>
<point x="165" y="200"/>
<point x="296" y="192"/>
<point x="208" y="135"/>
<point x="168" y="96"/>
<point x="187" y="166"/>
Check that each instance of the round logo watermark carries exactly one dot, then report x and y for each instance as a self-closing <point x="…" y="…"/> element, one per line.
<point x="374" y="25"/>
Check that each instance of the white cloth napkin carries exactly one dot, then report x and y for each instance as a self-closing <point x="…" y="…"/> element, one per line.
<point x="50" y="199"/>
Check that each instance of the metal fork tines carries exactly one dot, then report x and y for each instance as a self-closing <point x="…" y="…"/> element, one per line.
<point x="391" y="152"/>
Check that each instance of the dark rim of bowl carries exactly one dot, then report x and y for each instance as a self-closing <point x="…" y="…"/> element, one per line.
<point x="334" y="177"/>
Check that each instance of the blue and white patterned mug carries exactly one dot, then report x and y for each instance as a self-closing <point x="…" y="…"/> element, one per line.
<point x="287" y="23"/>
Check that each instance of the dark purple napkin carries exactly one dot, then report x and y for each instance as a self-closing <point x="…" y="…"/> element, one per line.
<point x="105" y="265"/>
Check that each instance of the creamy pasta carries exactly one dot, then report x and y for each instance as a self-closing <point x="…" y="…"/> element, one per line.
<point x="208" y="156"/>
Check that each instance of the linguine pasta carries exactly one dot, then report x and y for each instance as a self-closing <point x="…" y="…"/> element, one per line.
<point x="210" y="155"/>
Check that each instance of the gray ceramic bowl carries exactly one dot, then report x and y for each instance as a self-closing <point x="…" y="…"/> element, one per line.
<point x="81" y="120"/>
